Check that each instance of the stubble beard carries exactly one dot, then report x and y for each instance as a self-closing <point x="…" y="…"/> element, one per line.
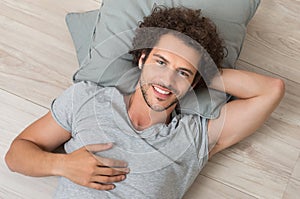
<point x="144" y="88"/>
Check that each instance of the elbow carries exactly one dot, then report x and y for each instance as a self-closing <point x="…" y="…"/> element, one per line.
<point x="9" y="161"/>
<point x="278" y="89"/>
<point x="11" y="157"/>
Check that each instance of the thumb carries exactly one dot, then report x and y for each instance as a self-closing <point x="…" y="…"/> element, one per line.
<point x="93" y="148"/>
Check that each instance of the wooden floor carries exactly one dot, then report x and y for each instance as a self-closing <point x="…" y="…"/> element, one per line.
<point x="37" y="60"/>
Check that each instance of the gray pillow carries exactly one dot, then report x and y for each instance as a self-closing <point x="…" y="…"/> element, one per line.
<point x="81" y="27"/>
<point x="102" y="40"/>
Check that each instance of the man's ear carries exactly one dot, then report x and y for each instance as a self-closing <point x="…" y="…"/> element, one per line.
<point x="142" y="60"/>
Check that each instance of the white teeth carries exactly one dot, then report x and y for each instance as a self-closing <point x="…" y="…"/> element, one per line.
<point x="161" y="91"/>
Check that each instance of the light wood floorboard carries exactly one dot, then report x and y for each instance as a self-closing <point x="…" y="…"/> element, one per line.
<point x="37" y="61"/>
<point x="37" y="53"/>
<point x="273" y="39"/>
<point x="292" y="190"/>
<point x="208" y="188"/>
<point x="17" y="114"/>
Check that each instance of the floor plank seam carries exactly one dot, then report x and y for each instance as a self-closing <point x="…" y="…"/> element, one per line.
<point x="273" y="73"/>
<point x="231" y="186"/>
<point x="24" y="98"/>
<point x="271" y="48"/>
<point x="291" y="177"/>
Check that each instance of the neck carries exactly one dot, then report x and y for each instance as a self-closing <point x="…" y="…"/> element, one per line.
<point x="141" y="115"/>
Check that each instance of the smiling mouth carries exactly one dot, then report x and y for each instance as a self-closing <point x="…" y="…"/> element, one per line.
<point x="161" y="91"/>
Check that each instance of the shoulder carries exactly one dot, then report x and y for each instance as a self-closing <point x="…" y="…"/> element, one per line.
<point x="87" y="93"/>
<point x="77" y="94"/>
<point x="85" y="87"/>
<point x="82" y="90"/>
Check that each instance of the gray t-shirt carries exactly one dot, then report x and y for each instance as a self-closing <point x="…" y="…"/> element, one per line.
<point x="164" y="160"/>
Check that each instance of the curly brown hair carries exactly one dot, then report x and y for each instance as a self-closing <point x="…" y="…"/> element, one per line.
<point x="184" y="20"/>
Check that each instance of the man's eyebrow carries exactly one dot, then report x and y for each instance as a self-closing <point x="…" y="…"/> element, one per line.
<point x="161" y="57"/>
<point x="186" y="70"/>
<point x="180" y="68"/>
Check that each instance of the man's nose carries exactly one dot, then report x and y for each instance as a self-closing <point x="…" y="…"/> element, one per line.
<point x="169" y="77"/>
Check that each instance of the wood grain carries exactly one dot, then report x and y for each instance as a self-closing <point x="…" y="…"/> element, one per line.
<point x="18" y="114"/>
<point x="273" y="38"/>
<point x="36" y="51"/>
<point x="248" y="179"/>
<point x="207" y="188"/>
<point x="37" y="61"/>
<point x="292" y="190"/>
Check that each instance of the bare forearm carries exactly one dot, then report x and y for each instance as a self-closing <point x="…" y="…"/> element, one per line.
<point x="258" y="97"/>
<point x="244" y="84"/>
<point x="27" y="158"/>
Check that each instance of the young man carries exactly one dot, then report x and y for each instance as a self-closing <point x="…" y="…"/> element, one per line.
<point x="156" y="152"/>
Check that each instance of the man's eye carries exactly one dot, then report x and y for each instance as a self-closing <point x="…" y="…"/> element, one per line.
<point x="160" y="62"/>
<point x="183" y="73"/>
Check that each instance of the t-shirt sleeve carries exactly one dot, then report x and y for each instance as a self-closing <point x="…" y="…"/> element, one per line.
<point x="203" y="144"/>
<point x="62" y="109"/>
<point x="196" y="127"/>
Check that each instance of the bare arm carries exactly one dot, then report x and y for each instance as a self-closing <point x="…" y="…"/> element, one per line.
<point x="30" y="154"/>
<point x="258" y="97"/>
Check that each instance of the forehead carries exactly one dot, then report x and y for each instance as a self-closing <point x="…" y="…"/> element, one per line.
<point x="172" y="44"/>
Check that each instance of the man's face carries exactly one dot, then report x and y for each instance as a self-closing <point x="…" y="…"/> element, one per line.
<point x="168" y="72"/>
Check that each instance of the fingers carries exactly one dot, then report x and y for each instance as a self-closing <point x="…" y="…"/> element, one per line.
<point x="101" y="182"/>
<point x="110" y="162"/>
<point x="100" y="173"/>
<point x="93" y="148"/>
<point x="104" y="187"/>
<point x="111" y="171"/>
<point x="104" y="178"/>
<point x="108" y="179"/>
